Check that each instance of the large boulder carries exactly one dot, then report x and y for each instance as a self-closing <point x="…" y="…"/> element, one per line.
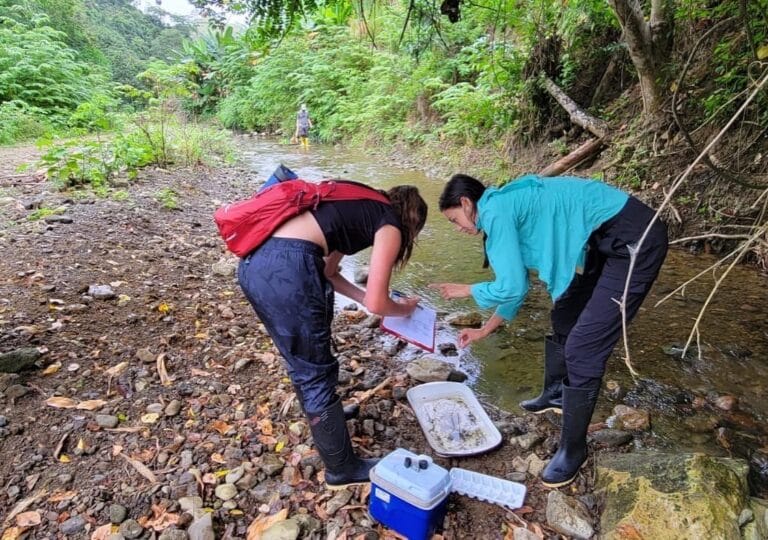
<point x="681" y="496"/>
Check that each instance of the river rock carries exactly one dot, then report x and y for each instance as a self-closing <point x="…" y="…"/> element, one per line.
<point x="282" y="530"/>
<point x="360" y="275"/>
<point x="568" y="516"/>
<point x="630" y="419"/>
<point x="337" y="501"/>
<point x="19" y="360"/>
<point x="656" y="495"/>
<point x="472" y="319"/>
<point x="727" y="402"/>
<point x="72" y="526"/>
<point x="225" y="266"/>
<point x="526" y="441"/>
<point x="429" y="370"/>
<point x="757" y="529"/>
<point x="58" y="218"/>
<point x="271" y="464"/>
<point x="101" y="292"/>
<point x="145" y="355"/>
<point x="131" y="529"/>
<point x="202" y="528"/>
<point x="611" y="437"/>
<point x="107" y="421"/>
<point x="173" y="534"/>
<point x="518" y="533"/>
<point x="117" y="513"/>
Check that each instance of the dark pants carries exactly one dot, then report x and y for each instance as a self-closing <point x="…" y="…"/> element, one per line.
<point x="284" y="282"/>
<point x="586" y="317"/>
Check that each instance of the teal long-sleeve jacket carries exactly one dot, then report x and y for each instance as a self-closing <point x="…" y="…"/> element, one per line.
<point x="539" y="224"/>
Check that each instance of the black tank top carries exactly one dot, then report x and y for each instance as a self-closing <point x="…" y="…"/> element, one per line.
<point x="349" y="226"/>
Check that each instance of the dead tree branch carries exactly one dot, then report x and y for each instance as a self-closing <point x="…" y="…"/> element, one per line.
<point x="577" y="115"/>
<point x="565" y="163"/>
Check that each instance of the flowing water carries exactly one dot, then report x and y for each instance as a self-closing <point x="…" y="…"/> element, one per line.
<point x="507" y="366"/>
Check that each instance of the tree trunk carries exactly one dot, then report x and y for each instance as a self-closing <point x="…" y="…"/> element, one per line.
<point x="647" y="44"/>
<point x="584" y="151"/>
<point x="577" y="114"/>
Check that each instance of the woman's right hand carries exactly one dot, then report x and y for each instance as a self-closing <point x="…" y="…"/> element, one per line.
<point x="409" y="303"/>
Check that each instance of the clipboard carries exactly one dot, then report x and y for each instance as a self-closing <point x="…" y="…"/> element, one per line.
<point x="418" y="329"/>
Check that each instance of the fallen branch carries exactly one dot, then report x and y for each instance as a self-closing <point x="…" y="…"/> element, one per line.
<point x="636" y="249"/>
<point x="577" y="115"/>
<point x="365" y="396"/>
<point x="565" y="163"/>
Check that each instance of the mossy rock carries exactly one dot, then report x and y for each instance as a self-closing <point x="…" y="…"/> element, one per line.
<point x="671" y="496"/>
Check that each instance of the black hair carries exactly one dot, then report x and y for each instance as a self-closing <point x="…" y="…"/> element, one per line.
<point x="460" y="185"/>
<point x="463" y="185"/>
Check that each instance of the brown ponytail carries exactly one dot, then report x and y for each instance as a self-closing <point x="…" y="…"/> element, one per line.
<point x="412" y="211"/>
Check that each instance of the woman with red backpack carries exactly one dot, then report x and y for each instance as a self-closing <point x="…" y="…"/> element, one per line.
<point x="290" y="281"/>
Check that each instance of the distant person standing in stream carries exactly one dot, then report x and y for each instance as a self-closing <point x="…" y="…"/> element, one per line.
<point x="577" y="234"/>
<point x="303" y="124"/>
<point x="290" y="282"/>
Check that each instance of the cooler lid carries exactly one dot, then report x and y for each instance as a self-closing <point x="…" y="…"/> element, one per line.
<point x="414" y="478"/>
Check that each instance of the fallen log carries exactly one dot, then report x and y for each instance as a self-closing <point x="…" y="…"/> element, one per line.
<point x="577" y="115"/>
<point x="586" y="150"/>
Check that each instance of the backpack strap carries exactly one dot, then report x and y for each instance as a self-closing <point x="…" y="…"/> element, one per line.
<point x="346" y="190"/>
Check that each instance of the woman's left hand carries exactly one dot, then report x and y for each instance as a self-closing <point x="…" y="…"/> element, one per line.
<point x="452" y="290"/>
<point x="468" y="335"/>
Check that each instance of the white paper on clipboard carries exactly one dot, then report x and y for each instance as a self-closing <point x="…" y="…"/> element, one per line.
<point x="418" y="329"/>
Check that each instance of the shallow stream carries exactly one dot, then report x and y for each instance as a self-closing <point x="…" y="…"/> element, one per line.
<point x="507" y="367"/>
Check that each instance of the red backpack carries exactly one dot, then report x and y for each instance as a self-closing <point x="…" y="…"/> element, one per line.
<point x="245" y="225"/>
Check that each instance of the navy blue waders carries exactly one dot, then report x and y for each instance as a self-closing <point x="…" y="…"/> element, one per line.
<point x="285" y="283"/>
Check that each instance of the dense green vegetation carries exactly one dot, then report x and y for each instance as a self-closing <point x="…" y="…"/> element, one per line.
<point x="58" y="54"/>
<point x="388" y="71"/>
<point x="658" y="80"/>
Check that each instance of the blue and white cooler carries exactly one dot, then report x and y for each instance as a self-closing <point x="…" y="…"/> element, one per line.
<point x="409" y="492"/>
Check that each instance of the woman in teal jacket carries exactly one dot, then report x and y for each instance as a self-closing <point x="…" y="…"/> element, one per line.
<point x="576" y="235"/>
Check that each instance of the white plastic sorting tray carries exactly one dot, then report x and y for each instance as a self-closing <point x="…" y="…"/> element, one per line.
<point x="453" y="421"/>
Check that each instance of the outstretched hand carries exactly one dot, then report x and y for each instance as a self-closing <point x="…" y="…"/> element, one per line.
<point x="452" y="290"/>
<point x="469" y="335"/>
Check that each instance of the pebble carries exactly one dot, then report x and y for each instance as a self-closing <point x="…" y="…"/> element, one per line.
<point x="173" y="534"/>
<point x="131" y="529"/>
<point x="186" y="459"/>
<point x="201" y="529"/>
<point x="240" y="364"/>
<point x="226" y="492"/>
<point x="15" y="391"/>
<point x="145" y="355"/>
<point x="3" y="421"/>
<point x="282" y="530"/>
<point x="101" y="292"/>
<point x="72" y="526"/>
<point x="106" y="421"/>
<point x="155" y="408"/>
<point x="117" y="513"/>
<point x="337" y="501"/>
<point x="234" y="475"/>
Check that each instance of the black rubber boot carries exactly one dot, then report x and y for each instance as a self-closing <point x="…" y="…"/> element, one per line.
<point x="551" y="397"/>
<point x="578" y="406"/>
<point x="342" y="466"/>
<point x="350" y="411"/>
